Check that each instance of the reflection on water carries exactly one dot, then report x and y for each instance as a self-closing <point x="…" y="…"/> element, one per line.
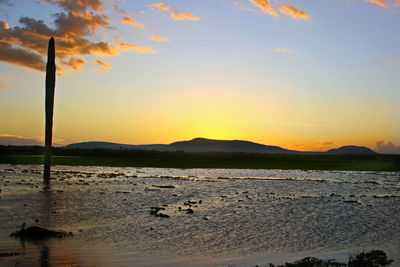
<point x="237" y="216"/>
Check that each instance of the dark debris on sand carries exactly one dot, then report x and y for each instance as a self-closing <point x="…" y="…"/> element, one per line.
<point x="39" y="233"/>
<point x="374" y="258"/>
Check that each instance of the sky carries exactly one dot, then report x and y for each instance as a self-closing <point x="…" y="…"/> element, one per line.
<point x="300" y="74"/>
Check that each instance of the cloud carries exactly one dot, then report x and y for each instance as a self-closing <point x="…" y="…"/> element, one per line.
<point x="388" y="148"/>
<point x="385" y="3"/>
<point x="104" y="67"/>
<point x="128" y="20"/>
<point x="265" y="7"/>
<point x="9" y="139"/>
<point x="293" y="13"/>
<point x="283" y="50"/>
<point x="159" y="38"/>
<point x="21" y="57"/>
<point x="5" y="86"/>
<point x="183" y="16"/>
<point x="74" y="63"/>
<point x="328" y="143"/>
<point x="175" y="13"/>
<point x="78" y="6"/>
<point x="381" y="3"/>
<point x="240" y="6"/>
<point x="75" y="30"/>
<point x="120" y="11"/>
<point x="142" y="50"/>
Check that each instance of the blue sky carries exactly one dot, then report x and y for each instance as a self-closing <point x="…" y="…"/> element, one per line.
<point x="319" y="75"/>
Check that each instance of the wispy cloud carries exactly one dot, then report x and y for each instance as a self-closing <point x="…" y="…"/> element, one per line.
<point x="104" y="67"/>
<point x="142" y="50"/>
<point x="240" y="6"/>
<point x="120" y="11"/>
<point x="175" y="13"/>
<point x="387" y="148"/>
<point x="5" y="86"/>
<point x="293" y="13"/>
<point x="385" y="3"/>
<point x="128" y="20"/>
<point x="74" y="63"/>
<point x="10" y="139"/>
<point x="283" y="50"/>
<point x="159" y="38"/>
<point x="381" y="3"/>
<point x="265" y="7"/>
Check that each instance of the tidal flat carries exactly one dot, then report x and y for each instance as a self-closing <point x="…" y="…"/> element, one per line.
<point x="196" y="217"/>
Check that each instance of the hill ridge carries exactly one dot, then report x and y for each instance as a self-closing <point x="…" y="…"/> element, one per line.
<point x="200" y="144"/>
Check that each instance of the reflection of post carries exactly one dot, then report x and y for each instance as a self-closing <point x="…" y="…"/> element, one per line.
<point x="50" y="86"/>
<point x="44" y="257"/>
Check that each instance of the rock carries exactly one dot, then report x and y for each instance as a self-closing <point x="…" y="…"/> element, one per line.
<point x="189" y="211"/>
<point x="155" y="211"/>
<point x="164" y="186"/>
<point x="39" y="233"/>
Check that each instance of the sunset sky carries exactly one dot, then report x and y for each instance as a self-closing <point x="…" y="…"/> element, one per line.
<point x="300" y="74"/>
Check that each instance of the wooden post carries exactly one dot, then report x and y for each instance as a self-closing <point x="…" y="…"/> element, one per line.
<point x="49" y="106"/>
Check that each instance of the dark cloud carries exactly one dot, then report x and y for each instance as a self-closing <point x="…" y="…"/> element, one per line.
<point x="21" y="57"/>
<point x="388" y="148"/>
<point x="120" y="11"/>
<point x="78" y="6"/>
<point x="75" y="30"/>
<point x="8" y="139"/>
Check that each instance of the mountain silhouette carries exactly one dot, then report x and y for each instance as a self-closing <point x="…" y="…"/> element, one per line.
<point x="354" y="150"/>
<point x="210" y="145"/>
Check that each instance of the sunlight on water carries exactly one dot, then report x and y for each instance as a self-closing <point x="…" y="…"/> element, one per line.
<point x="204" y="217"/>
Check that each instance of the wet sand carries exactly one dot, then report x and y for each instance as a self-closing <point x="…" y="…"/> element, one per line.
<point x="240" y="217"/>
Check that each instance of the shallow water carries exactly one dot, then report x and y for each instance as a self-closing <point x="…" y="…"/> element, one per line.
<point x="245" y="217"/>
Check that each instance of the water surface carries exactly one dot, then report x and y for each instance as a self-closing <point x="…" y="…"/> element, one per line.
<point x="241" y="217"/>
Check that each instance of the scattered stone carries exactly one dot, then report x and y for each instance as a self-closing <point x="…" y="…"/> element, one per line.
<point x="164" y="186"/>
<point x="189" y="211"/>
<point x="155" y="211"/>
<point x="151" y="189"/>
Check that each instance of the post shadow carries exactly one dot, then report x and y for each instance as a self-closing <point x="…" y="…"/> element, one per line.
<point x="49" y="107"/>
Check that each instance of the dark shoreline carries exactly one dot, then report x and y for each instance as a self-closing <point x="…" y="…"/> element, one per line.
<point x="179" y="159"/>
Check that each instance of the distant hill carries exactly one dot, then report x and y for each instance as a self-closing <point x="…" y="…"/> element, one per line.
<point x="354" y="150"/>
<point x="107" y="145"/>
<point x="209" y="145"/>
<point x="206" y="145"/>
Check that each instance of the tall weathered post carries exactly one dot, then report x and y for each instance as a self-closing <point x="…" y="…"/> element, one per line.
<point x="49" y="106"/>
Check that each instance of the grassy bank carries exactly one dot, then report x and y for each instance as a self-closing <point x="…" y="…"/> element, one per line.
<point x="130" y="158"/>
